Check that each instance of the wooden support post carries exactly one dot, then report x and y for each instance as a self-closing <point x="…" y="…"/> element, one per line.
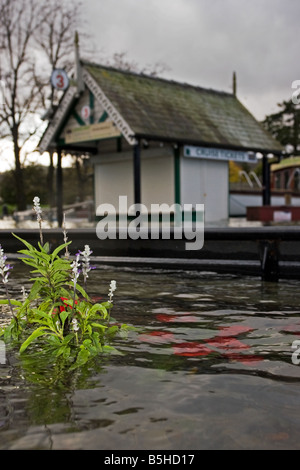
<point x="269" y="258"/>
<point x="266" y="193"/>
<point x="177" y="189"/>
<point x="59" y="189"/>
<point x="137" y="172"/>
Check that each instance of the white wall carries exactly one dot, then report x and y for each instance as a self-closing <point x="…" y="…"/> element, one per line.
<point x="157" y="177"/>
<point x="114" y="177"/>
<point x="206" y="182"/>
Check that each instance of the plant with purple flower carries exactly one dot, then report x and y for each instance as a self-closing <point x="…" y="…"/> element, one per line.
<point x="57" y="311"/>
<point x="4" y="272"/>
<point x="4" y="268"/>
<point x="86" y="267"/>
<point x="38" y="211"/>
<point x="75" y="274"/>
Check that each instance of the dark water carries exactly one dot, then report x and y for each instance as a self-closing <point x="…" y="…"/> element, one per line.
<point x="210" y="368"/>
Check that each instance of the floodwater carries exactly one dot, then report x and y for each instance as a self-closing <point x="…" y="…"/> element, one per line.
<point x="210" y="367"/>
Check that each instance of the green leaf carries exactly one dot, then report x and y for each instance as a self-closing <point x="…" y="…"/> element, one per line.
<point x="37" y="286"/>
<point x="64" y="315"/>
<point x="26" y="252"/>
<point x="68" y="338"/>
<point x="38" y="332"/>
<point x="82" y="291"/>
<point x="12" y="301"/>
<point x="113" y="330"/>
<point x="64" y="351"/>
<point x="45" y="248"/>
<point x="60" y="265"/>
<point x="29" y="246"/>
<point x="98" y="325"/>
<point x="123" y="333"/>
<point x="111" y="350"/>
<point x="30" y="262"/>
<point x="82" y="357"/>
<point x="59" y="248"/>
<point x="98" y="308"/>
<point x="54" y="341"/>
<point x="89" y="329"/>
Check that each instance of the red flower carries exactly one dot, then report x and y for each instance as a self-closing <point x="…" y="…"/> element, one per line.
<point x="62" y="308"/>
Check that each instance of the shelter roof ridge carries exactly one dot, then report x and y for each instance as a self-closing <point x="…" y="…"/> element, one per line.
<point x="156" y="78"/>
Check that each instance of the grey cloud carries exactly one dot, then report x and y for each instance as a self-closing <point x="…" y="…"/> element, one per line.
<point x="203" y="41"/>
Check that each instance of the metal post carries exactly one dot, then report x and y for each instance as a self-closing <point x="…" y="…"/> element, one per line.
<point x="59" y="190"/>
<point x="266" y="193"/>
<point x="137" y="172"/>
<point x="269" y="258"/>
<point x="177" y="174"/>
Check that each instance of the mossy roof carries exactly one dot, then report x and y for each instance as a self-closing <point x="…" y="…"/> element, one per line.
<point x="168" y="110"/>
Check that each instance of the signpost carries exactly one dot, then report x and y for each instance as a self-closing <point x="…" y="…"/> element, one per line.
<point x="101" y="130"/>
<point x="209" y="153"/>
<point x="59" y="79"/>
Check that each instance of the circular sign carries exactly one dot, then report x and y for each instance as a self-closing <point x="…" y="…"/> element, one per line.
<point x="59" y="79"/>
<point x="85" y="112"/>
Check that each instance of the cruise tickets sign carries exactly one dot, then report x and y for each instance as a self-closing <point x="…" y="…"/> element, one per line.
<point x="209" y="153"/>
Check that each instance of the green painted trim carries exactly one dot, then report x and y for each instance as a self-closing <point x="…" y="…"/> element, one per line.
<point x="103" y="117"/>
<point x="78" y="118"/>
<point x="177" y="181"/>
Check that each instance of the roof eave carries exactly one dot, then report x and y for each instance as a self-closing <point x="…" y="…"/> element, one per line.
<point x="196" y="142"/>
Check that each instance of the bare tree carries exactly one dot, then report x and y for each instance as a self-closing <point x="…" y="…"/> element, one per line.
<point x="120" y="61"/>
<point x="20" y="83"/>
<point x="55" y="36"/>
<point x="35" y="37"/>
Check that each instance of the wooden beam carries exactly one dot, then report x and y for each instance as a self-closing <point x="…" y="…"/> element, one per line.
<point x="59" y="189"/>
<point x="137" y="172"/>
<point x="266" y="193"/>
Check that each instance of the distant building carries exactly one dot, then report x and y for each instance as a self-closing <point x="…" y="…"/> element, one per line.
<point x="156" y="140"/>
<point x="286" y="175"/>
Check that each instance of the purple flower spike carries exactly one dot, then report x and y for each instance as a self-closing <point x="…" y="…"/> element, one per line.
<point x="4" y="268"/>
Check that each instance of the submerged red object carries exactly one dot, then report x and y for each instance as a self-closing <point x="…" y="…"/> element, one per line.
<point x="234" y="330"/>
<point x="225" y="343"/>
<point x="191" y="349"/>
<point x="157" y="337"/>
<point x="182" y="318"/>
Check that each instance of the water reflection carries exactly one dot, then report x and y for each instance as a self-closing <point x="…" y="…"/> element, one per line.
<point x="210" y="367"/>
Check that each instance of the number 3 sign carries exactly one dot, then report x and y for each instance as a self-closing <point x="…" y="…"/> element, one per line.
<point x="59" y="79"/>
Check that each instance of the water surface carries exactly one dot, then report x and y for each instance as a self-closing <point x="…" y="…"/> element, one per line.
<point x="210" y="367"/>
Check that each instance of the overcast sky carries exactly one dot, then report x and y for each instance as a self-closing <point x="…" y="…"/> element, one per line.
<point x="204" y="41"/>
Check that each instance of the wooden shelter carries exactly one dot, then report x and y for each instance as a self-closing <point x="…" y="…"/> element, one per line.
<point x="156" y="140"/>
